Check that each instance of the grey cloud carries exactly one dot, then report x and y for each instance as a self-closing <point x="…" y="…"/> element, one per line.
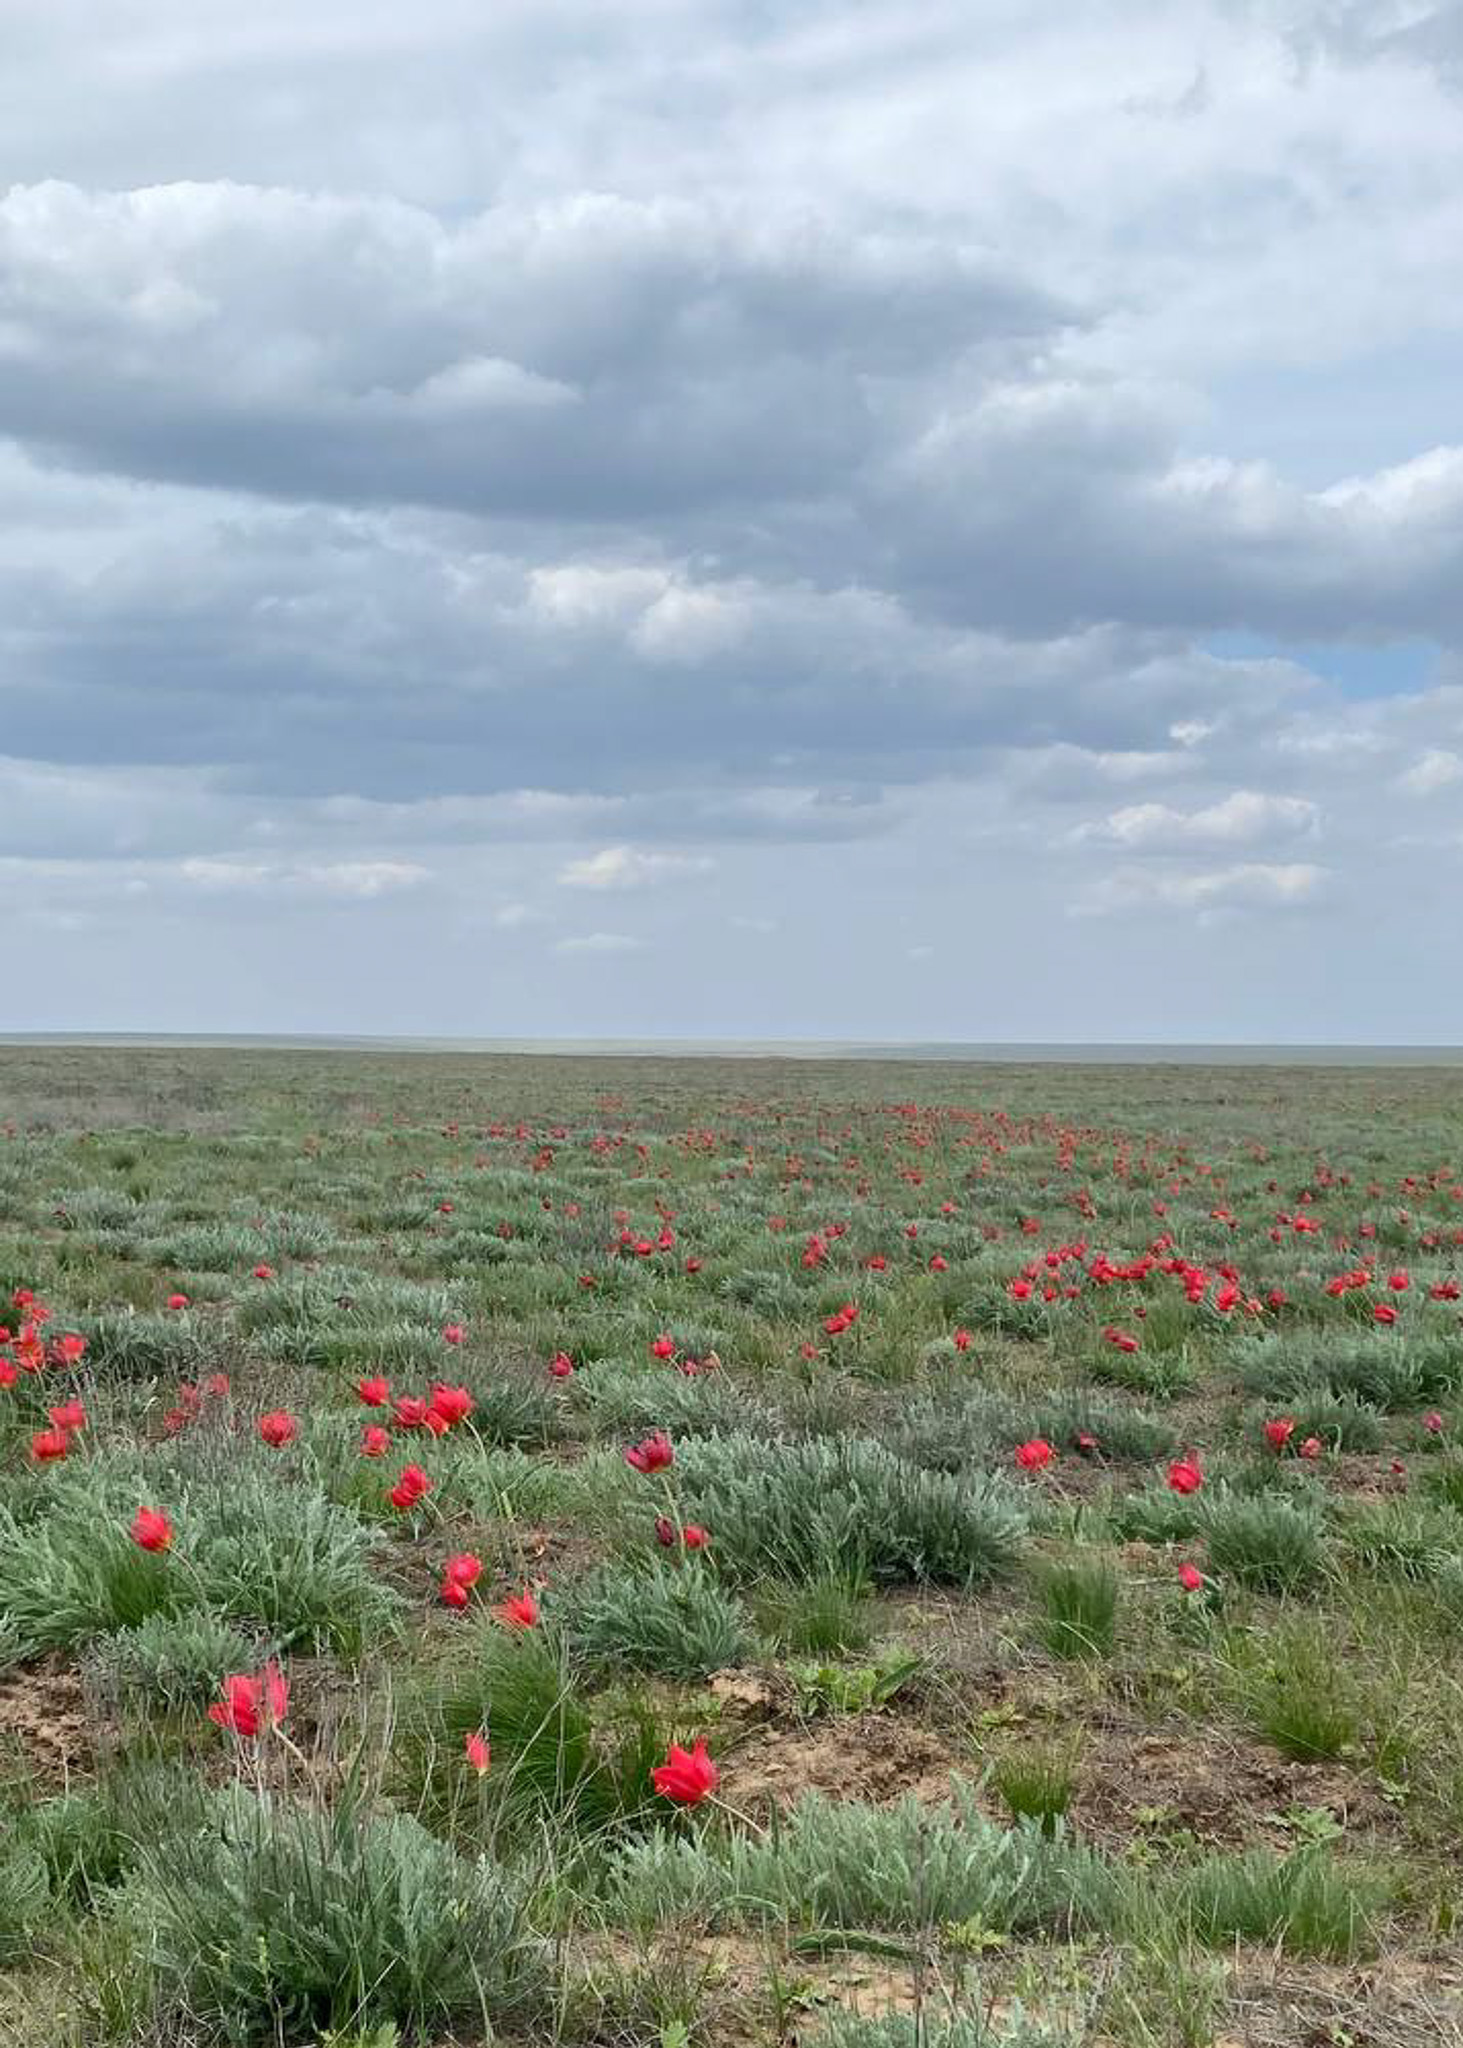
<point x="538" y="485"/>
<point x="595" y="357"/>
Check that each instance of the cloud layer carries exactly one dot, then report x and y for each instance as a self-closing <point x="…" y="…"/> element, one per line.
<point x="657" y="517"/>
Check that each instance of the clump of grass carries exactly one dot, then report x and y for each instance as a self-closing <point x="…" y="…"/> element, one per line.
<point x="1297" y="1697"/>
<point x="1403" y="1539"/>
<point x="1304" y="1903"/>
<point x="252" y="1547"/>
<point x="1037" y="1783"/>
<point x="1265" y="1542"/>
<point x="1382" y="1369"/>
<point x="948" y="1435"/>
<point x="827" y="1617"/>
<point x="70" y="1576"/>
<point x="1442" y="1481"/>
<point x="631" y="1398"/>
<point x="674" y="1619"/>
<point x="141" y="1347"/>
<point x="556" y="1754"/>
<point x="1079" y="1608"/>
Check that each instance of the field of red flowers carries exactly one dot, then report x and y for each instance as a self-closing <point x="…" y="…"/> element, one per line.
<point x="669" y="1553"/>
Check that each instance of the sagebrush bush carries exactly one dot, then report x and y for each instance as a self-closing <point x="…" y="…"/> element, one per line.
<point x="172" y="1662"/>
<point x="961" y="2027"/>
<point x="676" y="1619"/>
<point x="802" y="1510"/>
<point x="840" y="1863"/>
<point x="633" y="1399"/>
<point x="947" y="1435"/>
<point x="1380" y="1368"/>
<point x="266" y="1919"/>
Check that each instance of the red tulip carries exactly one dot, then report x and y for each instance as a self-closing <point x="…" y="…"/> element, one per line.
<point x="410" y="1487"/>
<point x="68" y="1415"/>
<point x="278" y="1428"/>
<point x="250" y="1704"/>
<point x="1184" y="1476"/>
<point x="151" y="1529"/>
<point x="519" y="1610"/>
<point x="375" y="1441"/>
<point x="1191" y="1578"/>
<point x="48" y="1444"/>
<point x="374" y="1392"/>
<point x="452" y="1404"/>
<point x="1279" y="1432"/>
<point x="653" y="1455"/>
<point x="687" y="1776"/>
<point x="478" y="1750"/>
<point x="1035" y="1454"/>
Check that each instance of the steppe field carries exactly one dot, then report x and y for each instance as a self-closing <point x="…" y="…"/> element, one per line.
<point x="695" y="1553"/>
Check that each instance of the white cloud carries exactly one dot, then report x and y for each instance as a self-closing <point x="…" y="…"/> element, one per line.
<point x="365" y="879"/>
<point x="629" y="867"/>
<point x="1250" y="885"/>
<point x="512" y="917"/>
<point x="600" y="942"/>
<point x="1240" y="819"/>
<point x="1438" y="769"/>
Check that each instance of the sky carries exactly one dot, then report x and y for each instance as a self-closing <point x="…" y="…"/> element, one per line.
<point x="833" y="518"/>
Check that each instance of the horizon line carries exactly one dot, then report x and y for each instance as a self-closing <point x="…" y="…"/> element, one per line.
<point x="952" y="1051"/>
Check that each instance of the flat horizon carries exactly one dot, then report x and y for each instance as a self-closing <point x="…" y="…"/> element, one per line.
<point x="1073" y="1052"/>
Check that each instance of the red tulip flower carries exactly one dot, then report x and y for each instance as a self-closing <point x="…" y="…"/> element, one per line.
<point x="653" y="1455"/>
<point x="250" y="1704"/>
<point x="151" y="1529"/>
<point x="687" y="1776"/>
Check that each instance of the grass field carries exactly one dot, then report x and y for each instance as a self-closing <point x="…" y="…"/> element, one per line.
<point x="683" y="1552"/>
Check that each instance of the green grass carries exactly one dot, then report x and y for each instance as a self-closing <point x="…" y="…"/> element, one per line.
<point x="887" y="1596"/>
